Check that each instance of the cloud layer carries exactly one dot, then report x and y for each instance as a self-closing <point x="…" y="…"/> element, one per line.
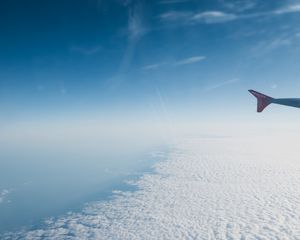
<point x="209" y="188"/>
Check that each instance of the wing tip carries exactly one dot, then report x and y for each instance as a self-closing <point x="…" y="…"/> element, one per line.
<point x="262" y="100"/>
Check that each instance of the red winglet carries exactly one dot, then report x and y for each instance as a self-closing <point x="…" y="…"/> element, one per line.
<point x="262" y="100"/>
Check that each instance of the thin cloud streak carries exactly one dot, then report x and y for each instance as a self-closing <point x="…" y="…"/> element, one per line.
<point x="221" y="84"/>
<point x="276" y="42"/>
<point x="152" y="66"/>
<point x="135" y="31"/>
<point x="176" y="16"/>
<point x="136" y="28"/>
<point x="190" y="60"/>
<point x="213" y="17"/>
<point x="293" y="8"/>
<point x="185" y="61"/>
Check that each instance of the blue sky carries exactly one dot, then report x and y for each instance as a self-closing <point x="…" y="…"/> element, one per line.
<point x="88" y="87"/>
<point x="129" y="60"/>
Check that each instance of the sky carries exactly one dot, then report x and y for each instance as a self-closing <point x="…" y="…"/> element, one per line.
<point x="126" y="62"/>
<point x="89" y="87"/>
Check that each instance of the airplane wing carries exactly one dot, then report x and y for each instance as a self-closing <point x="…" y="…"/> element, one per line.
<point x="262" y="100"/>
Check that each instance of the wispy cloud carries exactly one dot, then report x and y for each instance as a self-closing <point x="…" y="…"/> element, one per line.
<point x="3" y="195"/>
<point x="292" y="8"/>
<point x="181" y="62"/>
<point x="136" y="29"/>
<point x="239" y="5"/>
<point x="280" y="41"/>
<point x="267" y="45"/>
<point x="176" y="16"/>
<point x="189" y="60"/>
<point x="153" y="66"/>
<point x="213" y="17"/>
<point x="221" y="84"/>
<point x="208" y="17"/>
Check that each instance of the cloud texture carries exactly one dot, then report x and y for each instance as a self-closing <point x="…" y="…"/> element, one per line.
<point x="209" y="188"/>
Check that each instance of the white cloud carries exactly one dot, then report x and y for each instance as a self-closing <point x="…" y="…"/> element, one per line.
<point x="189" y="60"/>
<point x="213" y="17"/>
<point x="136" y="28"/>
<point x="209" y="188"/>
<point x="273" y="43"/>
<point x="208" y="17"/>
<point x="292" y="8"/>
<point x="175" y="16"/>
<point x="152" y="66"/>
<point x="221" y="84"/>
<point x="181" y="62"/>
<point x="3" y="195"/>
<point x="280" y="41"/>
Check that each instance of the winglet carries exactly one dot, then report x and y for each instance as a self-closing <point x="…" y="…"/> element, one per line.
<point x="262" y="100"/>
